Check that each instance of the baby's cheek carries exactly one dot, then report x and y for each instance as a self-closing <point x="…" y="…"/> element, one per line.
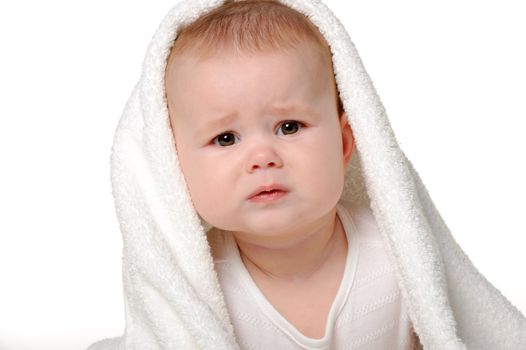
<point x="207" y="192"/>
<point x="192" y="178"/>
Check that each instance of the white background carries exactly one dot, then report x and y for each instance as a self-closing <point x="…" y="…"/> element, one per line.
<point x="451" y="75"/>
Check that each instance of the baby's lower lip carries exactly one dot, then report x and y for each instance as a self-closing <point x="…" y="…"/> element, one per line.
<point x="268" y="196"/>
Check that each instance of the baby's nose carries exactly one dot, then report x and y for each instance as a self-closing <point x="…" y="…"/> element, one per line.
<point x="262" y="158"/>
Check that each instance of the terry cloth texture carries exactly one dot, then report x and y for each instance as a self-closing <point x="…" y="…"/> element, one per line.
<point x="172" y="296"/>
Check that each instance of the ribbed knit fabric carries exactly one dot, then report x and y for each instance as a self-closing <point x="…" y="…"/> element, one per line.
<point x="367" y="312"/>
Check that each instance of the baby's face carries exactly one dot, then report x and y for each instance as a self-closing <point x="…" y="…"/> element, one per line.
<point x="241" y="122"/>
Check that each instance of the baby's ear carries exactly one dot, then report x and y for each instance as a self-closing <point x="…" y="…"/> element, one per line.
<point x="347" y="139"/>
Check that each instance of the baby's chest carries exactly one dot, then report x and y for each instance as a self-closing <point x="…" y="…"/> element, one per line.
<point x="370" y="314"/>
<point x="305" y="306"/>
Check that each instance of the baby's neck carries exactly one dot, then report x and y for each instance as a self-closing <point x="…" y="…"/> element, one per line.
<point x="302" y="260"/>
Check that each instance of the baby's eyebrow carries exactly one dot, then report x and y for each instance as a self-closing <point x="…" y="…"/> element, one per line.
<point x="292" y="109"/>
<point x="216" y="123"/>
<point x="278" y="111"/>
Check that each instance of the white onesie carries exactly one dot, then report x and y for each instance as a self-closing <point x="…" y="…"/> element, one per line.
<point x="367" y="313"/>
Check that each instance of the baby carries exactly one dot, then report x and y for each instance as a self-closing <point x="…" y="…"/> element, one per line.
<point x="250" y="219"/>
<point x="263" y="143"/>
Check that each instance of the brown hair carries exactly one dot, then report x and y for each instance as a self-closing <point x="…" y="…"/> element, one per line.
<point x="250" y="26"/>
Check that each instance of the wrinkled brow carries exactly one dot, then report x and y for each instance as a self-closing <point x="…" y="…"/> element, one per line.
<point x="292" y="110"/>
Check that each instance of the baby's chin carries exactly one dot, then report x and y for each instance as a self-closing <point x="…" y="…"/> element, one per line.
<point x="279" y="236"/>
<point x="268" y="227"/>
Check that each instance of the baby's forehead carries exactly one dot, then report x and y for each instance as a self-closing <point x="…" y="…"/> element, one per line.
<point x="278" y="69"/>
<point x="198" y="55"/>
<point x="192" y="59"/>
<point x="193" y="91"/>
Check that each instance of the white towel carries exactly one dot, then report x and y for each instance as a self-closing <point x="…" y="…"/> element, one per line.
<point x="171" y="292"/>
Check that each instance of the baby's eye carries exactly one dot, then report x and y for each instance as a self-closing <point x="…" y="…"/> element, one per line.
<point x="290" y="127"/>
<point x="225" y="139"/>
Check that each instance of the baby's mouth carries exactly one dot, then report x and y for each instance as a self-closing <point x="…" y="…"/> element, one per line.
<point x="268" y="193"/>
<point x="272" y="191"/>
<point x="268" y="196"/>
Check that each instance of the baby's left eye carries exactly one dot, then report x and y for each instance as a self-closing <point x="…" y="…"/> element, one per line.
<point x="290" y="127"/>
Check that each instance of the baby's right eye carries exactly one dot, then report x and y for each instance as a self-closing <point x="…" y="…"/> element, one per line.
<point x="225" y="139"/>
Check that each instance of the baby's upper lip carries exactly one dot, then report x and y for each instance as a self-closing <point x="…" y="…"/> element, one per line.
<point x="273" y="186"/>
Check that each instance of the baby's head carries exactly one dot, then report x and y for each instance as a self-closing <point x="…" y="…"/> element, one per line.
<point x="253" y="102"/>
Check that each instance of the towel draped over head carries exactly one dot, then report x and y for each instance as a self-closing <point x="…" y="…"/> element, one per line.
<point x="172" y="296"/>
